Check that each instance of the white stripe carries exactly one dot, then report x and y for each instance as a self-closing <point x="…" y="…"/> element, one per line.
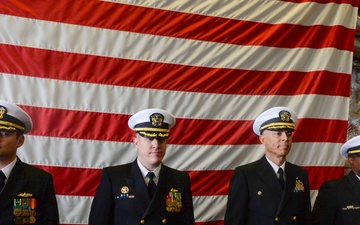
<point x="208" y="208"/>
<point x="105" y="98"/>
<point x="277" y="12"/>
<point x="50" y="151"/>
<point x="76" y="209"/>
<point x="95" y="41"/>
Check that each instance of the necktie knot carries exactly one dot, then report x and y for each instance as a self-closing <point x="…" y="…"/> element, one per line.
<point x="281" y="177"/>
<point x="150" y="175"/>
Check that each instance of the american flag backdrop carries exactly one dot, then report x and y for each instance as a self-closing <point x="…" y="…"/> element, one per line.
<point x="80" y="68"/>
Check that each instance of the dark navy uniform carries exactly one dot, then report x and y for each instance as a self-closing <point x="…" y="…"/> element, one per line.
<point x="256" y="195"/>
<point x="256" y="198"/>
<point x="122" y="198"/>
<point x="33" y="186"/>
<point x="338" y="201"/>
<point x="28" y="195"/>
<point x="125" y="194"/>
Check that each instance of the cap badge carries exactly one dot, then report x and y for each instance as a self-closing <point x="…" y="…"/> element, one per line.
<point x="156" y="119"/>
<point x="3" y="111"/>
<point x="285" y="115"/>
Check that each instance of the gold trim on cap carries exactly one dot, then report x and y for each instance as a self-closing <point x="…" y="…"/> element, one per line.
<point x="155" y="135"/>
<point x="278" y="125"/>
<point x="151" y="129"/>
<point x="12" y="125"/>
<point x="353" y="151"/>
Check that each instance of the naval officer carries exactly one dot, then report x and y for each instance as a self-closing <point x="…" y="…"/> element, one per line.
<point x="144" y="191"/>
<point x="338" y="201"/>
<point x="270" y="190"/>
<point x="27" y="194"/>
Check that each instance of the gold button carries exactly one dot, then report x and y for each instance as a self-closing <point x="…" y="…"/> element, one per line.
<point x="277" y="219"/>
<point x="259" y="193"/>
<point x="142" y="221"/>
<point x="163" y="221"/>
<point x="294" y="218"/>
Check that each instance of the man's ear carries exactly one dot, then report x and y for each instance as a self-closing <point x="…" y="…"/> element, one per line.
<point x="261" y="138"/>
<point x="135" y="141"/>
<point x="20" y="140"/>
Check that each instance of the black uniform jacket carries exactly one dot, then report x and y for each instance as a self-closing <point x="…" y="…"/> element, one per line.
<point x="338" y="202"/>
<point x="121" y="198"/>
<point x="256" y="198"/>
<point x="31" y="190"/>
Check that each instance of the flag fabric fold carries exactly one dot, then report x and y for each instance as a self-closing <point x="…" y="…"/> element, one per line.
<point x="82" y="68"/>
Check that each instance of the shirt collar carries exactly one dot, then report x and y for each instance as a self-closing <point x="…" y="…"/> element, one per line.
<point x="144" y="171"/>
<point x="7" y="169"/>
<point x="358" y="176"/>
<point x="274" y="166"/>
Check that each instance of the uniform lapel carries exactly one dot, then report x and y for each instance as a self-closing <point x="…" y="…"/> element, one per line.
<point x="290" y="177"/>
<point x="15" y="183"/>
<point x="138" y="186"/>
<point x="354" y="184"/>
<point x="162" y="190"/>
<point x="270" y="179"/>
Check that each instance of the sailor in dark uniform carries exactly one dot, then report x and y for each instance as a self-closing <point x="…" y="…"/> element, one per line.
<point x="27" y="193"/>
<point x="338" y="201"/>
<point x="270" y="190"/>
<point x="145" y="191"/>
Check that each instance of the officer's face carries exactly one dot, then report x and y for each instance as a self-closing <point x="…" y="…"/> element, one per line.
<point x="9" y="143"/>
<point x="277" y="143"/>
<point x="355" y="164"/>
<point x="151" y="151"/>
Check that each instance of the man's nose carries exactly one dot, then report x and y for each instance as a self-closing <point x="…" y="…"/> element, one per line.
<point x="155" y="142"/>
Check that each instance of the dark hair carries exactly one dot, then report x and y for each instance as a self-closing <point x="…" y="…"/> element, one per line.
<point x="19" y="133"/>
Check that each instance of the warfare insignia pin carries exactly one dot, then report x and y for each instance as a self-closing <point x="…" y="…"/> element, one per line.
<point x="25" y="195"/>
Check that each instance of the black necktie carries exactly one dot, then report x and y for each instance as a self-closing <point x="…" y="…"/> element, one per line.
<point x="281" y="177"/>
<point x="151" y="184"/>
<point x="2" y="180"/>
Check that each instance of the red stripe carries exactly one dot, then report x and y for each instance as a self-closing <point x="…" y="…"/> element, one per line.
<point x="184" y="25"/>
<point x="83" y="182"/>
<point x="80" y="125"/>
<point x="120" y="72"/>
<point x="319" y="174"/>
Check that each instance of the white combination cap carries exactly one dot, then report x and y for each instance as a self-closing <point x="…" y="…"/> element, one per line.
<point x="351" y="147"/>
<point x="152" y="123"/>
<point x="13" y="118"/>
<point x="277" y="118"/>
